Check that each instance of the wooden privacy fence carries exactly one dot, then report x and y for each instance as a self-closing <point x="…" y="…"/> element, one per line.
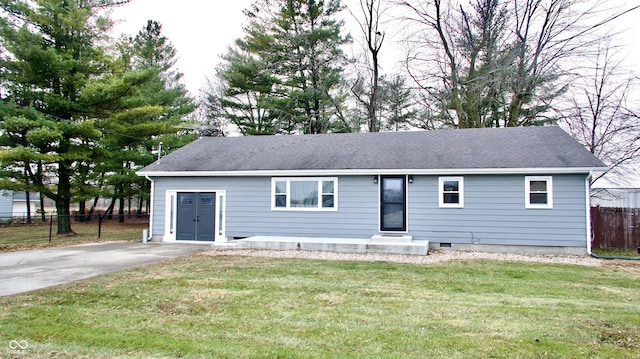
<point x="615" y="227"/>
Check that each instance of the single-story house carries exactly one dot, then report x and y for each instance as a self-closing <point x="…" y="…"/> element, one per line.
<point x="507" y="189"/>
<point x="14" y="204"/>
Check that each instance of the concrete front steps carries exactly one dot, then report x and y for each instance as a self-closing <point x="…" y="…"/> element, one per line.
<point x="376" y="244"/>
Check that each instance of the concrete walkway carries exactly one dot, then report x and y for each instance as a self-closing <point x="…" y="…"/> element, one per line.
<point x="25" y="271"/>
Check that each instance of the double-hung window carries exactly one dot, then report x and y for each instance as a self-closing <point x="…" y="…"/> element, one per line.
<point x="300" y="193"/>
<point x="451" y="192"/>
<point x="539" y="192"/>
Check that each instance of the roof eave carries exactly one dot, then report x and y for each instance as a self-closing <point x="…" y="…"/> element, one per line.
<point x="356" y="172"/>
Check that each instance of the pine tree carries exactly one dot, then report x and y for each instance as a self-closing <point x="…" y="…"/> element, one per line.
<point x="283" y="75"/>
<point x="397" y="105"/>
<point x="52" y="57"/>
<point x="150" y="112"/>
<point x="71" y="113"/>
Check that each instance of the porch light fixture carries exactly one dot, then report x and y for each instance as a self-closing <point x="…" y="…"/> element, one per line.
<point x="375" y="179"/>
<point x="410" y="179"/>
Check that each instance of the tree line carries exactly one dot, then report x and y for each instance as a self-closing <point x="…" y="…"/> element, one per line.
<point x="80" y="112"/>
<point x="467" y="64"/>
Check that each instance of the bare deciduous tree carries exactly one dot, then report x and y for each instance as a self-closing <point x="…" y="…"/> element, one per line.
<point x="495" y="63"/>
<point x="605" y="119"/>
<point x="371" y="12"/>
<point x="210" y="114"/>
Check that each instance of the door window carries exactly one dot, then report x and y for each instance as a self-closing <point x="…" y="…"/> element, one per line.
<point x="393" y="204"/>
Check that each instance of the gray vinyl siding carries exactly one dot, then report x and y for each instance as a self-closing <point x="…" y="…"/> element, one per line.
<point x="494" y="213"/>
<point x="6" y="204"/>
<point x="494" y="210"/>
<point x="248" y="208"/>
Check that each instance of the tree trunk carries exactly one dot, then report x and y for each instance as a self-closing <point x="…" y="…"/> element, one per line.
<point x="374" y="126"/>
<point x="374" y="38"/>
<point x="63" y="200"/>
<point x="82" y="210"/>
<point x="140" y="203"/>
<point x="93" y="208"/>
<point x="28" y="207"/>
<point x="109" y="212"/>
<point x="43" y="215"/>
<point x="27" y="194"/>
<point x="64" y="218"/>
<point x="121" y="211"/>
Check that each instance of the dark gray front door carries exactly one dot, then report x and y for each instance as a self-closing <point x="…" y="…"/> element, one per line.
<point x="196" y="216"/>
<point x="393" y="196"/>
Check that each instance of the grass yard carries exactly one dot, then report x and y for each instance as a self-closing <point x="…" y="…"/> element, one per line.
<point x="26" y="236"/>
<point x="617" y="252"/>
<point x="248" y="307"/>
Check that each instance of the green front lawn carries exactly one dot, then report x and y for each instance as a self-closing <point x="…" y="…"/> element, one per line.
<point x="247" y="307"/>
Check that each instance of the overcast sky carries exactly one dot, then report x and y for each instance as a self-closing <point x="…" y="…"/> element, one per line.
<point x="201" y="30"/>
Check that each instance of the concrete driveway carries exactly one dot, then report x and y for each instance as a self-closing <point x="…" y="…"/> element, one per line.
<point x="25" y="271"/>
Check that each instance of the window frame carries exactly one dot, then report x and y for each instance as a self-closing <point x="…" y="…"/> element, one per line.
<point x="527" y="192"/>
<point x="320" y="194"/>
<point x="441" y="192"/>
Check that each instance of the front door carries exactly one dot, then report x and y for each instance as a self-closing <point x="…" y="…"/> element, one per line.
<point x="393" y="196"/>
<point x="196" y="216"/>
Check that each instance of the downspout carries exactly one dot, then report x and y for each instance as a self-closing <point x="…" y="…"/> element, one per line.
<point x="589" y="229"/>
<point x="587" y="190"/>
<point x="151" y="195"/>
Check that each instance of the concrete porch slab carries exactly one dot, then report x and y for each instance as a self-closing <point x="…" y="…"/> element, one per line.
<point x="388" y="238"/>
<point x="340" y="245"/>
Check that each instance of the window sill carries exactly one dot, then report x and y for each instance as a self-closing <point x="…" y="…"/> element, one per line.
<point x="304" y="209"/>
<point x="538" y="207"/>
<point x="451" y="206"/>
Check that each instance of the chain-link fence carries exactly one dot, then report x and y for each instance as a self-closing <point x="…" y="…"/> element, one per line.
<point x="20" y="218"/>
<point x="35" y="230"/>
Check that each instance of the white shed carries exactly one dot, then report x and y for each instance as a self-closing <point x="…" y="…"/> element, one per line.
<point x="14" y="204"/>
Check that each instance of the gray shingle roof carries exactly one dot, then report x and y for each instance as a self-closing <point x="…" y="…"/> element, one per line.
<point x="504" y="148"/>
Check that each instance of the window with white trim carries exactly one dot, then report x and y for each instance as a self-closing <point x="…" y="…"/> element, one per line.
<point x="304" y="194"/>
<point x="451" y="192"/>
<point x="538" y="192"/>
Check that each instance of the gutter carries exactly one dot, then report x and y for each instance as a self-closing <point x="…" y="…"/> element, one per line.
<point x="373" y="171"/>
